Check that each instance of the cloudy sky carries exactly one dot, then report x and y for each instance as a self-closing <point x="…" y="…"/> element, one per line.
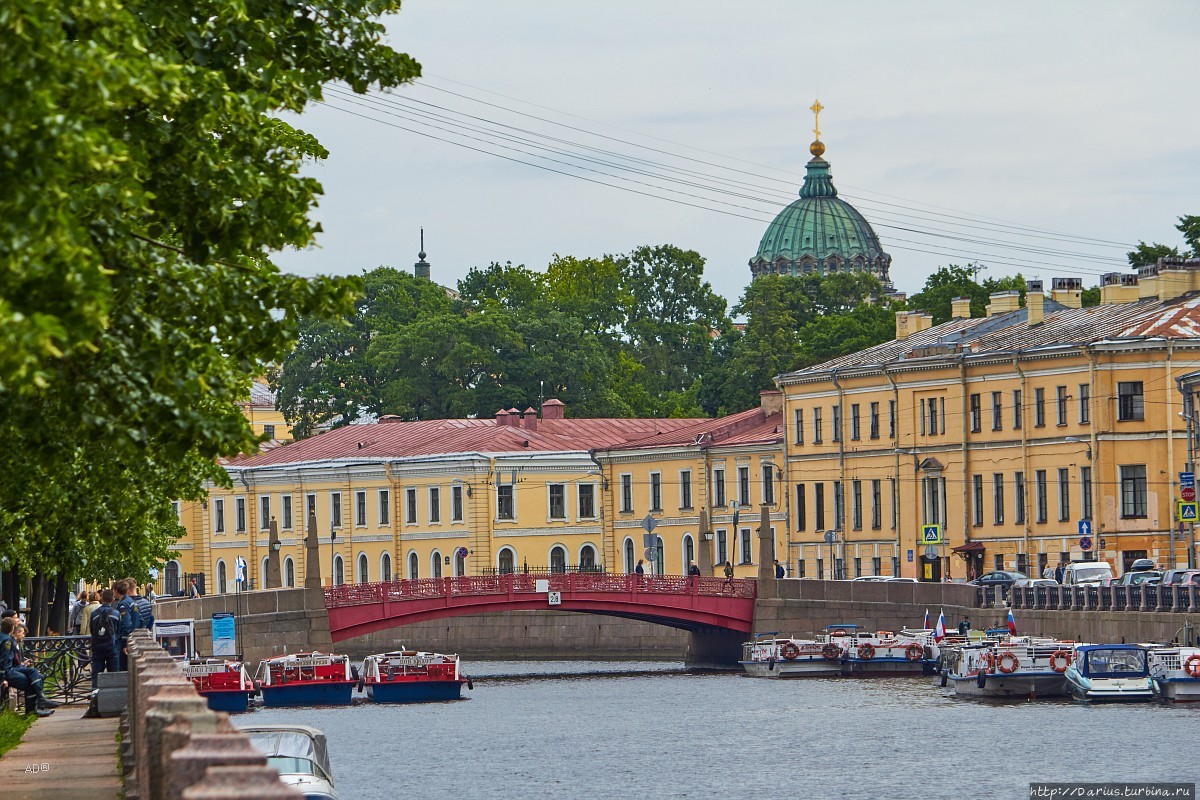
<point x="1035" y="137"/>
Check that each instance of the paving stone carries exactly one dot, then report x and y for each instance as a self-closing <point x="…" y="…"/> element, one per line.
<point x="79" y="757"/>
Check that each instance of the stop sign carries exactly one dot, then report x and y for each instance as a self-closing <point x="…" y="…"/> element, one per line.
<point x="1188" y="494"/>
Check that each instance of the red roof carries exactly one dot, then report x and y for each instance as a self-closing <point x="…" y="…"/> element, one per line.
<point x="745" y="427"/>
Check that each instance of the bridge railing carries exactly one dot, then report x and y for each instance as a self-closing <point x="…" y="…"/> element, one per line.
<point x="1179" y="599"/>
<point x="521" y="583"/>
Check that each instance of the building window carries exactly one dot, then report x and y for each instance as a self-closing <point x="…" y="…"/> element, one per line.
<point x="931" y="500"/>
<point x="627" y="492"/>
<point x="876" y="504"/>
<point x="722" y="546"/>
<point x="837" y="422"/>
<point x="269" y="431"/>
<point x="922" y="415"/>
<point x="820" y="569"/>
<point x="857" y="567"/>
<point x="894" y="499"/>
<point x="1019" y="496"/>
<point x="219" y="515"/>
<point x="289" y="572"/>
<point x="743" y="486"/>
<point x="310" y="511"/>
<point x="801" y="510"/>
<point x="363" y="569"/>
<point x="817" y="425"/>
<point x="1039" y="478"/>
<point x="876" y="566"/>
<point x="558" y="501"/>
<point x="768" y="484"/>
<point x="976" y="414"/>
<point x="335" y="509"/>
<point x="435" y="504"/>
<point x="410" y="506"/>
<point x="339" y="571"/>
<point x="819" y="505"/>
<point x="1060" y="403"/>
<point x="1064" y="494"/>
<point x="506" y="563"/>
<point x="874" y="424"/>
<point x="240" y="513"/>
<point x="839" y="505"/>
<point x="1129" y="401"/>
<point x="385" y="510"/>
<point x="800" y="568"/>
<point x="264" y="513"/>
<point x="504" y="502"/>
<point x="1018" y="410"/>
<point x="1039" y="408"/>
<point x="221" y="578"/>
<point x="587" y="500"/>
<point x="854" y="425"/>
<point x="385" y="567"/>
<point x="997" y="411"/>
<point x="656" y="491"/>
<point x="456" y="503"/>
<point x="719" y="487"/>
<point x="1085" y="403"/>
<point x="856" y="505"/>
<point x="1085" y="491"/>
<point x="629" y="562"/>
<point x="744" y="538"/>
<point x="685" y="488"/>
<point x="798" y="424"/>
<point x="1133" y="490"/>
<point x="997" y="499"/>
<point x="977" y="500"/>
<point x="891" y="419"/>
<point x="286" y="501"/>
<point x="360" y="509"/>
<point x="414" y="562"/>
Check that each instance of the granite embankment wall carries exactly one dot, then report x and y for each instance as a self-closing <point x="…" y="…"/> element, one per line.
<point x="1103" y="626"/>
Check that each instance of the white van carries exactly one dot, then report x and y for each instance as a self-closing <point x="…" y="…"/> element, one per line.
<point x="1078" y="573"/>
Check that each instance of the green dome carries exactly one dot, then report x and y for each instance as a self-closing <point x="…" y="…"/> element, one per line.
<point x="820" y="233"/>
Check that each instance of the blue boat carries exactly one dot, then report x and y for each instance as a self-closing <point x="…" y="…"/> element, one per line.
<point x="412" y="676"/>
<point x="1110" y="673"/>
<point x="306" y="679"/>
<point x="224" y="684"/>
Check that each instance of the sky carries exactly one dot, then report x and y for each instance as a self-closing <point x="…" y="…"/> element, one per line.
<point x="1031" y="137"/>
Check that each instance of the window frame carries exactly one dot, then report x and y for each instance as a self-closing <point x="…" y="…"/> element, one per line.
<point x="685" y="489"/>
<point x="1131" y="406"/>
<point x="556" y="493"/>
<point x="410" y="505"/>
<point x="1134" y="500"/>
<point x="383" y="505"/>
<point x="360" y="508"/>
<point x="435" y="505"/>
<point x="997" y="411"/>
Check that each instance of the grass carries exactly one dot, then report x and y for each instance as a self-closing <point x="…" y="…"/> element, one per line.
<point x="12" y="728"/>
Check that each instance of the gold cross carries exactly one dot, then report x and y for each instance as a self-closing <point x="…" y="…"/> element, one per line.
<point x="816" y="108"/>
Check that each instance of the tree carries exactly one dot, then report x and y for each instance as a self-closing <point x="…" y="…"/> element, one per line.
<point x="1145" y="255"/>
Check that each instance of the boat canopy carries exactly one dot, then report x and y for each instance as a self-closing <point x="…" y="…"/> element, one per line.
<point x="1111" y="660"/>
<point x="291" y="741"/>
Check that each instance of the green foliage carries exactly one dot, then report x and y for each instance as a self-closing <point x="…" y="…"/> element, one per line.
<point x="1090" y="296"/>
<point x="1145" y="255"/>
<point x="12" y="728"/>
<point x="147" y="175"/>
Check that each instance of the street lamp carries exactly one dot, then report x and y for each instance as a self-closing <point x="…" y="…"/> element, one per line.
<point x="1084" y="442"/>
<point x="332" y="569"/>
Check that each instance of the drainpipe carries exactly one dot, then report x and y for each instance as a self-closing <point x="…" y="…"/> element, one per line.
<point x="1170" y="448"/>
<point x="1094" y="461"/>
<point x="896" y="466"/>
<point x="1024" y="455"/>
<point x="608" y="539"/>
<point x="966" y="472"/>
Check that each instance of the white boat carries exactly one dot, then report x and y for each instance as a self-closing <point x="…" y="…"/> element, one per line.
<point x="878" y="652"/>
<point x="412" y="676"/>
<point x="1110" y="673"/>
<point x="300" y="754"/>
<point x="790" y="658"/>
<point x="1176" y="673"/>
<point x="306" y="679"/>
<point x="1009" y="667"/>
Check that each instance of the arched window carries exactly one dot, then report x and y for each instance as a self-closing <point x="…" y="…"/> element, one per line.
<point x="339" y="571"/>
<point x="262" y="576"/>
<point x="587" y="558"/>
<point x="412" y="566"/>
<point x="364" y="575"/>
<point x="171" y="579"/>
<point x="221" y="577"/>
<point x="558" y="559"/>
<point x="658" y="557"/>
<point x="630" y="561"/>
<point x="289" y="573"/>
<point x="385" y="567"/>
<point x="460" y="562"/>
<point x="435" y="564"/>
<point x="507" y="559"/>
<point x="689" y="552"/>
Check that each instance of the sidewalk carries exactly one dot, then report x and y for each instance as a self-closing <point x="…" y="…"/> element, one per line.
<point x="64" y="757"/>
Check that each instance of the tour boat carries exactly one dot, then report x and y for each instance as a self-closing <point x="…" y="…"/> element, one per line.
<point x="306" y="679"/>
<point x="790" y="658"/>
<point x="1176" y="673"/>
<point x="1107" y="673"/>
<point x="879" y="652"/>
<point x="300" y="755"/>
<point x="412" y="676"/>
<point x="1009" y="667"/>
<point x="226" y="685"/>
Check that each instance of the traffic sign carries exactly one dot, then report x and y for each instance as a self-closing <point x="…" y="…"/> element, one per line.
<point x="830" y="537"/>
<point x="554" y="598"/>
<point x="931" y="551"/>
<point x="910" y="556"/>
<point x="1187" y="479"/>
<point x="1188" y="494"/>
<point x="931" y="534"/>
<point x="1085" y="543"/>
<point x="649" y="523"/>
<point x="1186" y="512"/>
<point x="649" y="554"/>
<point x="1085" y="527"/>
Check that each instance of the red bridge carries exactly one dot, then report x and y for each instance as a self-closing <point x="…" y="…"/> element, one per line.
<point x="678" y="601"/>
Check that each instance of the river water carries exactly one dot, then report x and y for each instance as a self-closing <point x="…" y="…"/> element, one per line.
<point x="563" y="730"/>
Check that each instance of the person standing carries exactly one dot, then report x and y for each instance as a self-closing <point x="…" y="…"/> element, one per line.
<point x="103" y="626"/>
<point x="728" y="576"/>
<point x="779" y="571"/>
<point x="85" y="619"/>
<point x="129" y="620"/>
<point x="142" y="605"/>
<point x="194" y="589"/>
<point x="694" y="570"/>
<point x="1058" y="572"/>
<point x="76" y="615"/>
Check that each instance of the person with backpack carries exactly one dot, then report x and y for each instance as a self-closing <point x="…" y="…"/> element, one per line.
<point x="141" y="604"/>
<point x="129" y="620"/>
<point x="103" y="626"/>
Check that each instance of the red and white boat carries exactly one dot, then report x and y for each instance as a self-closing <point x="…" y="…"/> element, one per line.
<point x="771" y="657"/>
<point x="306" y="679"/>
<point x="413" y="676"/>
<point x="226" y="685"/>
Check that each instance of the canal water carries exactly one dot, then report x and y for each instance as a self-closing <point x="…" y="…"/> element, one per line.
<point x="563" y="730"/>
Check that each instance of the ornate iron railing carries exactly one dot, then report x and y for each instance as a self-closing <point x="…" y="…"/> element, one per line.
<point x="65" y="663"/>
<point x="522" y="583"/>
<point x="1178" y="599"/>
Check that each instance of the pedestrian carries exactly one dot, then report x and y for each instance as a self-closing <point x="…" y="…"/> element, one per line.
<point x="104" y="624"/>
<point x="728" y="576"/>
<point x="129" y="618"/>
<point x="779" y="571"/>
<point x="694" y="570"/>
<point x="964" y="627"/>
<point x="85" y="619"/>
<point x="150" y="594"/>
<point x="76" y="615"/>
<point x="194" y="589"/>
<point x="143" y="606"/>
<point x="19" y="671"/>
<point x="1058" y="572"/>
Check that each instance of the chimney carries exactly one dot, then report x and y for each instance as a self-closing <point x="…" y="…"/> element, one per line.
<point x="961" y="308"/>
<point x="897" y="297"/>
<point x="910" y="322"/>
<point x="502" y="418"/>
<point x="530" y="419"/>
<point x="1177" y="276"/>
<point x="1035" y="303"/>
<point x="770" y="401"/>
<point x="1118" y="287"/>
<point x="1003" y="302"/>
<point x="1148" y="282"/>
<point x="387" y="419"/>
<point x="553" y="409"/>
<point x="1068" y="291"/>
<point x="514" y="418"/>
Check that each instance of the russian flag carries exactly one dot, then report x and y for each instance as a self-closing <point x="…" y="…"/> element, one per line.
<point x="939" y="632"/>
<point x="1012" y="624"/>
<point x="925" y="627"/>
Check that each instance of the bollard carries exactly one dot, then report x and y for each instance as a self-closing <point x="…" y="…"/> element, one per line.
<point x="166" y="708"/>
<point x="241" y="783"/>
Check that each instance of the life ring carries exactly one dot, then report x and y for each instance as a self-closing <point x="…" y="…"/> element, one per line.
<point x="1008" y="662"/>
<point x="838" y="632"/>
<point x="831" y="651"/>
<point x="914" y="652"/>
<point x="790" y="651"/>
<point x="1063" y="657"/>
<point x="866" y="651"/>
<point x="1192" y="665"/>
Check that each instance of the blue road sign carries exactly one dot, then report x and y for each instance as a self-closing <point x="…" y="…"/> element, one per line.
<point x="1085" y="527"/>
<point x="1187" y="479"/>
<point x="1085" y="543"/>
<point x="910" y="556"/>
<point x="1186" y="512"/>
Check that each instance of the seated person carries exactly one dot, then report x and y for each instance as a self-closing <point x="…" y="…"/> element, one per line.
<point x="19" y="672"/>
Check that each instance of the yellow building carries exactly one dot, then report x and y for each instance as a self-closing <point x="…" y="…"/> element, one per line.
<point x="1014" y="434"/>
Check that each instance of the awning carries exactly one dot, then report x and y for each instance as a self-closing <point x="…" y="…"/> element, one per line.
<point x="969" y="547"/>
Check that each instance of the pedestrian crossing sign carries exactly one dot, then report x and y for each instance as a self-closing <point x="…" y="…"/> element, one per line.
<point x="1186" y="512"/>
<point x="931" y="534"/>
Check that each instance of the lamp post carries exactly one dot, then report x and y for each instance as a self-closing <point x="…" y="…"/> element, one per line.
<point x="332" y="556"/>
<point x="1094" y="553"/>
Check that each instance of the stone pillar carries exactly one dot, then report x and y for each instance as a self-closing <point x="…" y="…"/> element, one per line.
<point x="766" y="546"/>
<point x="312" y="556"/>
<point x="241" y="783"/>
<point x="705" y="550"/>
<point x="274" y="574"/>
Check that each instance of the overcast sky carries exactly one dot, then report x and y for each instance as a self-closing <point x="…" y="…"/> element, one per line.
<point x="944" y="123"/>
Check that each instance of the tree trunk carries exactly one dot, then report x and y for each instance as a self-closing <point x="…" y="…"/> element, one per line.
<point x="12" y="587"/>
<point x="35" y="620"/>
<point x="59" y="612"/>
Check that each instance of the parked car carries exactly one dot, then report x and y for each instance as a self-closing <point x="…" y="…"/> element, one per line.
<point x="902" y="580"/>
<point x="1079" y="573"/>
<point x="870" y="578"/>
<point x="1142" y="564"/>
<point x="1139" y="578"/>
<point x="1000" y="579"/>
<point x="1181" y="577"/>
<point x="1029" y="582"/>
